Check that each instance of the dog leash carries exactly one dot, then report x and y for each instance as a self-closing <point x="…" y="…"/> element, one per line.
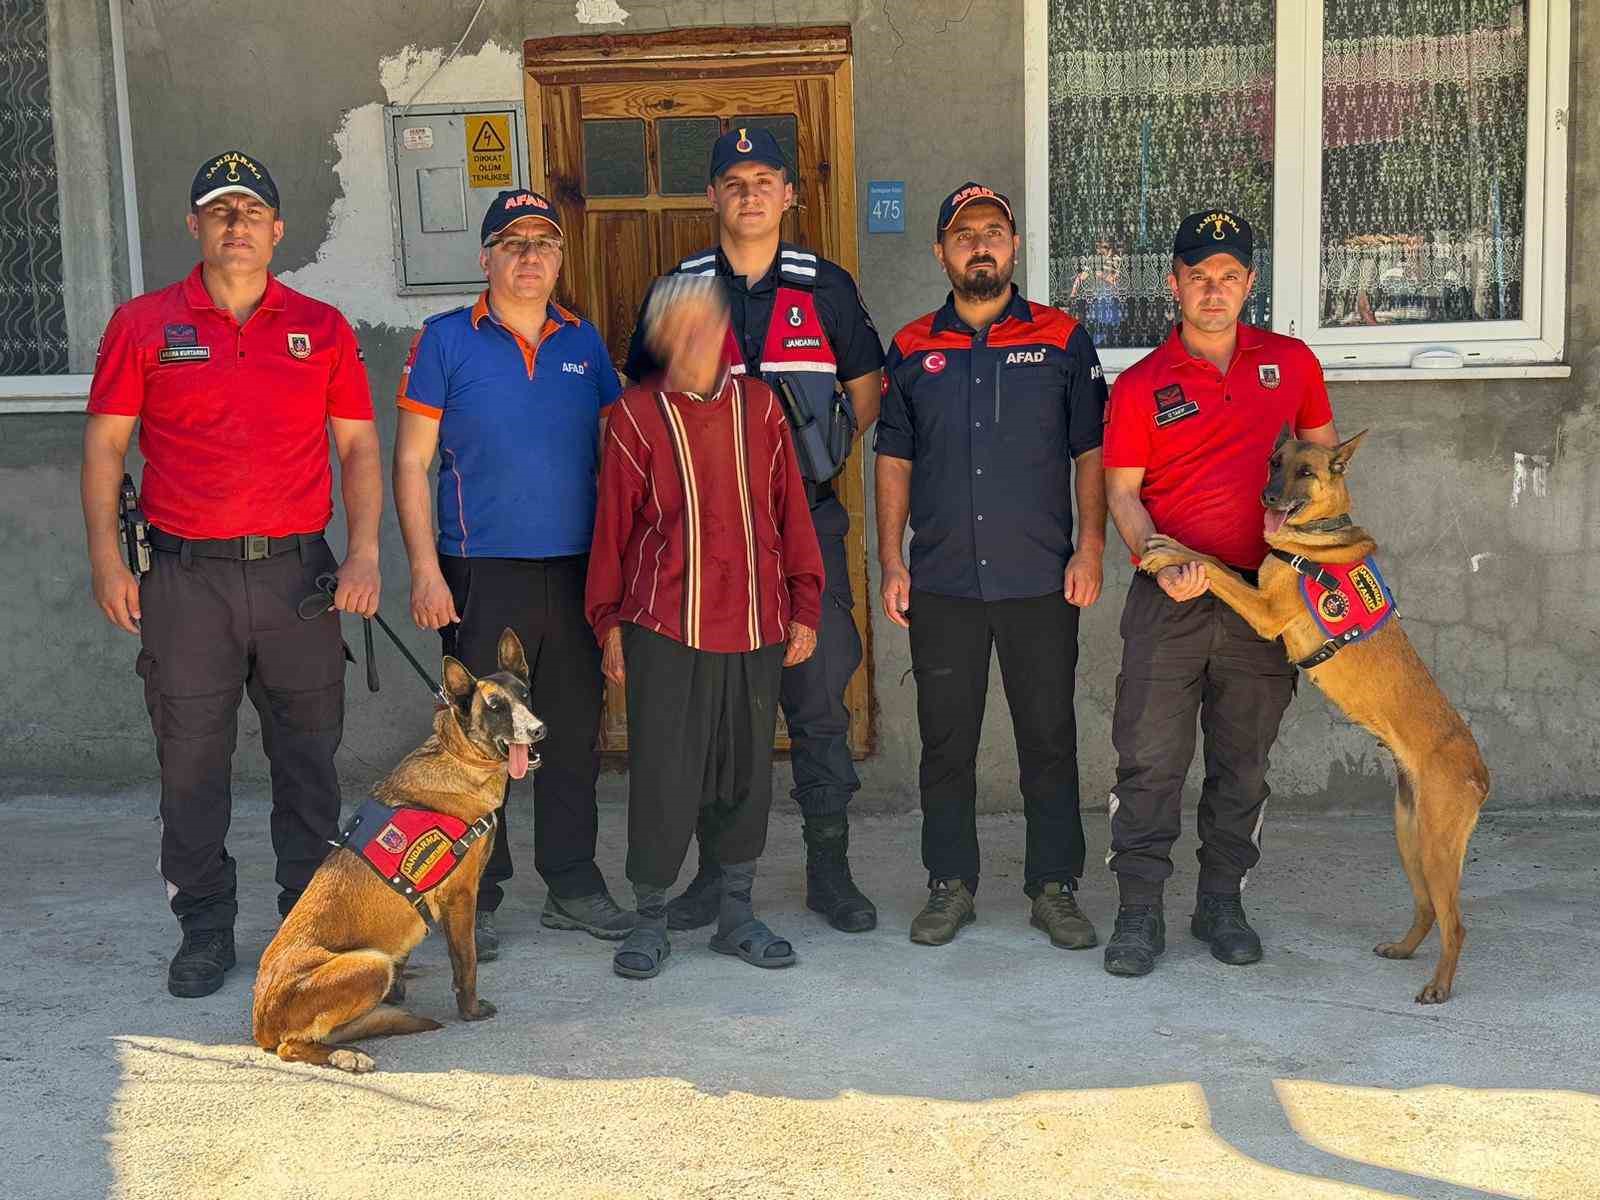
<point x="320" y="601"/>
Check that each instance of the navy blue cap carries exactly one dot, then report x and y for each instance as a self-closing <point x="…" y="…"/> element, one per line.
<point x="1218" y="231"/>
<point x="746" y="144"/>
<point x="513" y="205"/>
<point x="232" y="171"/>
<point x="969" y="193"/>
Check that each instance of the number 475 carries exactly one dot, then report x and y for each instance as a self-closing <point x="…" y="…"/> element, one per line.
<point x="886" y="210"/>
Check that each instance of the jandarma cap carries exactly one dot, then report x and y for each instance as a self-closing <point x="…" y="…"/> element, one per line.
<point x="232" y="171"/>
<point x="513" y="205"/>
<point x="969" y="193"/>
<point x="1218" y="231"/>
<point x="746" y="144"/>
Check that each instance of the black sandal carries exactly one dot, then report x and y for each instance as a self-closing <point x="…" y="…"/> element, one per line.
<point x="751" y="941"/>
<point x="640" y="956"/>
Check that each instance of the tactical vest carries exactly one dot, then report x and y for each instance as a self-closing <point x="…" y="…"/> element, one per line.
<point x="413" y="850"/>
<point x="798" y="363"/>
<point x="1348" y="601"/>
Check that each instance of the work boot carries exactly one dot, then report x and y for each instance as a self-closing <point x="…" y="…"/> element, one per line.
<point x="200" y="963"/>
<point x="1056" y="911"/>
<point x="485" y="937"/>
<point x="1140" y="935"/>
<point x="949" y="907"/>
<point x="701" y="901"/>
<point x="829" y="888"/>
<point x="1219" y="919"/>
<point x="598" y="915"/>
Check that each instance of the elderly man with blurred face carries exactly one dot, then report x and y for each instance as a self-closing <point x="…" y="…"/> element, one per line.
<point x="510" y="392"/>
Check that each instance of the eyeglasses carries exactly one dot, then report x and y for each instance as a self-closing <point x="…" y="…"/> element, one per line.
<point x="995" y="235"/>
<point x="516" y="247"/>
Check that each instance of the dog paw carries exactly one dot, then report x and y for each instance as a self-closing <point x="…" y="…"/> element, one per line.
<point x="1433" y="994"/>
<point x="481" y="1011"/>
<point x="353" y="1061"/>
<point x="1391" y="950"/>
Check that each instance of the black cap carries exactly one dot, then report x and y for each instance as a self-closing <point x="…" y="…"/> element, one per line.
<point x="969" y="193"/>
<point x="513" y="205"/>
<point x="1217" y="231"/>
<point x="232" y="171"/>
<point x="746" y="144"/>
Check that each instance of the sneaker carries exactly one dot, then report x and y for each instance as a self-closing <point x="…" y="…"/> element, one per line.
<point x="1140" y="936"/>
<point x="949" y="907"/>
<point x="1056" y="911"/>
<point x="1220" y="920"/>
<point x="485" y="936"/>
<point x="598" y="916"/>
<point x="700" y="903"/>
<point x="200" y="963"/>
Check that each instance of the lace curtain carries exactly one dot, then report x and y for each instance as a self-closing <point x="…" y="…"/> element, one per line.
<point x="1424" y="156"/>
<point x="1158" y="108"/>
<point x="33" y="319"/>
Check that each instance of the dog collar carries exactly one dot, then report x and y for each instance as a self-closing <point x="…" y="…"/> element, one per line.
<point x="1325" y="525"/>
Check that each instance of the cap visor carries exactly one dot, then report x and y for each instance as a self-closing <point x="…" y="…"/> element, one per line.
<point x="994" y="200"/>
<point x="231" y="190"/>
<point x="509" y="225"/>
<point x="1190" y="258"/>
<point x="765" y="160"/>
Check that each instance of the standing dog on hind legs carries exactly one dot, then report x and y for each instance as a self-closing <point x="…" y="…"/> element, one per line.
<point x="418" y="846"/>
<point x="1320" y="591"/>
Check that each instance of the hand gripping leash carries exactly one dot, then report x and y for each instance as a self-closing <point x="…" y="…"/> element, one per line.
<point x="320" y="601"/>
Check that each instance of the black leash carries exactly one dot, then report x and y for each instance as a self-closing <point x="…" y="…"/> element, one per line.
<point x="321" y="601"/>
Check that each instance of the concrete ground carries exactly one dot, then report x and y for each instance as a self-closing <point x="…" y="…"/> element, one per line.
<point x="994" y="1067"/>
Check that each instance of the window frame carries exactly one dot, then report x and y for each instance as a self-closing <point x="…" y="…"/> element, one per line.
<point x="70" y="393"/>
<point x="1531" y="346"/>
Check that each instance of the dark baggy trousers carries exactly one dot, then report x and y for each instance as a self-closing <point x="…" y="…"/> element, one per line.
<point x="212" y="629"/>
<point x="1180" y="660"/>
<point x="542" y="600"/>
<point x="1037" y="641"/>
<point x="700" y="727"/>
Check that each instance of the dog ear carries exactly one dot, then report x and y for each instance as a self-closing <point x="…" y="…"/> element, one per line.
<point x="1284" y="435"/>
<point x="1342" y="455"/>
<point x="458" y="681"/>
<point x="511" y="656"/>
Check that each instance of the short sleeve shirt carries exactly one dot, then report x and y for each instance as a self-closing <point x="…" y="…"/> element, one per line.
<point x="518" y="430"/>
<point x="991" y="422"/>
<point x="844" y="318"/>
<point x="233" y="418"/>
<point x="1204" y="437"/>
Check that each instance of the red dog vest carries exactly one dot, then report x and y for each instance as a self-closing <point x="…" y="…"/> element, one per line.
<point x="1348" y="601"/>
<point x="414" y="850"/>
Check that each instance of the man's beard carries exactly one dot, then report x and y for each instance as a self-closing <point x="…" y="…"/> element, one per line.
<point x="989" y="286"/>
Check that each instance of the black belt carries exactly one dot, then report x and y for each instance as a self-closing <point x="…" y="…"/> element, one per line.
<point x="816" y="493"/>
<point x="250" y="548"/>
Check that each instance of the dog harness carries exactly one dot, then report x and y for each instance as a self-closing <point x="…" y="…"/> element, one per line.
<point x="1348" y="601"/>
<point x="413" y="850"/>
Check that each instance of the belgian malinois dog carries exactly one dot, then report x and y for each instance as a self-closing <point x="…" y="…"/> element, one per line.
<point x="1377" y="680"/>
<point x="333" y="972"/>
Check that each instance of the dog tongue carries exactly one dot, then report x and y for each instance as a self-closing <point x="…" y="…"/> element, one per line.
<point x="517" y="759"/>
<point x="1274" y="521"/>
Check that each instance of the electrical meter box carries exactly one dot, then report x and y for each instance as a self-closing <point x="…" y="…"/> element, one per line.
<point x="446" y="164"/>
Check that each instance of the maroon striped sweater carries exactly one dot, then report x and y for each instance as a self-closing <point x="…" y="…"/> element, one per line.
<point x="702" y="532"/>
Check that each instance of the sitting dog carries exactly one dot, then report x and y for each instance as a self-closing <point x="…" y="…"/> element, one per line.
<point x="417" y="847"/>
<point x="1321" y="593"/>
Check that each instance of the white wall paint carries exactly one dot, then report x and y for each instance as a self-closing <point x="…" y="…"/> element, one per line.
<point x="354" y="267"/>
<point x="600" y="12"/>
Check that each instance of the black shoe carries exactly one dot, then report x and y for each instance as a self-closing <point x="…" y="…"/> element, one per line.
<point x="1140" y="935"/>
<point x="1220" y="921"/>
<point x="200" y="963"/>
<point x="700" y="903"/>
<point x="829" y="888"/>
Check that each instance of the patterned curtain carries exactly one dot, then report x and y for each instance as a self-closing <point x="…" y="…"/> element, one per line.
<point x="1158" y="108"/>
<point x="1424" y="155"/>
<point x="33" y="318"/>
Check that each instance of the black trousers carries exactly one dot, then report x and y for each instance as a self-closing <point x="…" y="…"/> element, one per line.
<point x="1180" y="660"/>
<point x="542" y="600"/>
<point x="1037" y="641"/>
<point x="212" y="629"/>
<point x="700" y="729"/>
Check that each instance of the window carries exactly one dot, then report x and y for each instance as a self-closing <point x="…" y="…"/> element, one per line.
<point x="69" y="248"/>
<point x="1403" y="163"/>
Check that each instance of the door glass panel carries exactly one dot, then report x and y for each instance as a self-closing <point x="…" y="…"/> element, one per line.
<point x="782" y="127"/>
<point x="685" y="153"/>
<point x="613" y="158"/>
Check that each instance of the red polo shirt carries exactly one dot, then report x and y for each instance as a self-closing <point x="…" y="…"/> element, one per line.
<point x="233" y="419"/>
<point x="1204" y="437"/>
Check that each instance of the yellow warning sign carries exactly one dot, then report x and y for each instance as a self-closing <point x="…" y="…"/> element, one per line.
<point x="489" y="150"/>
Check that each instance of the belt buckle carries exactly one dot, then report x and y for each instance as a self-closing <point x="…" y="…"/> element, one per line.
<point x="256" y="547"/>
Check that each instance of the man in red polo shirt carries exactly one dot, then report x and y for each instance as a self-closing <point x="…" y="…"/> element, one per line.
<point x="234" y="382"/>
<point x="1189" y="431"/>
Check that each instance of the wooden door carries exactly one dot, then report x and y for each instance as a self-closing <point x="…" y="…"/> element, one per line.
<point x="620" y="133"/>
